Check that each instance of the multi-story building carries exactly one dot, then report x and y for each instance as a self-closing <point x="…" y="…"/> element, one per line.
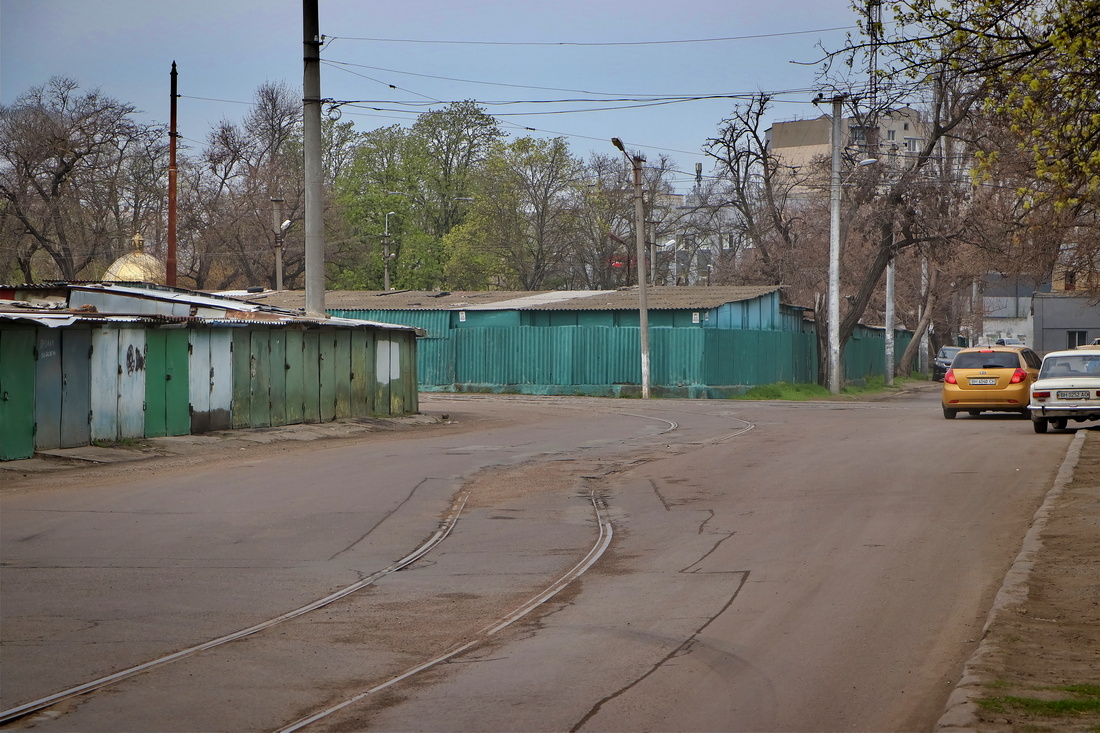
<point x="898" y="134"/>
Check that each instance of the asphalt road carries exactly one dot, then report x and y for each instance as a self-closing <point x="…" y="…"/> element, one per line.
<point x="774" y="566"/>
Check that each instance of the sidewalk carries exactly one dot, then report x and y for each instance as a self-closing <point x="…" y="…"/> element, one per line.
<point x="62" y="459"/>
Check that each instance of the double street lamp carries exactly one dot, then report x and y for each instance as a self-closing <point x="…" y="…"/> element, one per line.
<point x="639" y="230"/>
<point x="386" y="256"/>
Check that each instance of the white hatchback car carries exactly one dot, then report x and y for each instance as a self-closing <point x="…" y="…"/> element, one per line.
<point x="1068" y="388"/>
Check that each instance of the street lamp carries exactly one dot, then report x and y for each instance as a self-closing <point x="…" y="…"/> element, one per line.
<point x="639" y="230"/>
<point x="386" y="257"/>
<point x="280" y="235"/>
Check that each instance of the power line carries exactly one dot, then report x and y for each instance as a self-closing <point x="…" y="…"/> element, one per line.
<point x="341" y="64"/>
<point x="598" y="44"/>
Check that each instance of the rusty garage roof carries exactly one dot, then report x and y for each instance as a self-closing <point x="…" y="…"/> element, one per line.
<point x="658" y="298"/>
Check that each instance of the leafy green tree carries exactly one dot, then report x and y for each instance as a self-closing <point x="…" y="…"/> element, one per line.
<point x="524" y="219"/>
<point x="446" y="148"/>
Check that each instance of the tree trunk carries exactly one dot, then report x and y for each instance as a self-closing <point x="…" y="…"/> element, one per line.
<point x="905" y="365"/>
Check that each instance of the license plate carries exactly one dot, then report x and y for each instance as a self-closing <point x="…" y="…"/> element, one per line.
<point x="983" y="381"/>
<point x="1073" y="394"/>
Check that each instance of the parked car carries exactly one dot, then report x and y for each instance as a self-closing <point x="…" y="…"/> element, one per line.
<point x="990" y="378"/>
<point x="1068" y="389"/>
<point x="942" y="362"/>
<point x="1009" y="342"/>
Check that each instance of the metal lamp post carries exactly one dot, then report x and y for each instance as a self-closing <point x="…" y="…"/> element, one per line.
<point x="639" y="229"/>
<point x="386" y="254"/>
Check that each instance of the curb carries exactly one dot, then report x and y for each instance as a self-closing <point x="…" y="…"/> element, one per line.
<point x="961" y="710"/>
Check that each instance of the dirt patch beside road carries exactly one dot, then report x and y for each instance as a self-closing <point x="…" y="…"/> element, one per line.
<point x="1039" y="665"/>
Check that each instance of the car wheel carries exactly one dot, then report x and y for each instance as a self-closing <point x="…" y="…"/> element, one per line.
<point x="1058" y="424"/>
<point x="1039" y="424"/>
<point x="949" y="414"/>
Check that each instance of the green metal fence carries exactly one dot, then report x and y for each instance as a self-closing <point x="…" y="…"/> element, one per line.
<point x="605" y="360"/>
<point x="72" y="385"/>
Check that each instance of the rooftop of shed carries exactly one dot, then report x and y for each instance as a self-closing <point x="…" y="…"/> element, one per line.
<point x="658" y="298"/>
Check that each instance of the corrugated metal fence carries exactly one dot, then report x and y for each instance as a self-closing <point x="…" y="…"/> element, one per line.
<point x="589" y="359"/>
<point x="603" y="360"/>
<point x="69" y="386"/>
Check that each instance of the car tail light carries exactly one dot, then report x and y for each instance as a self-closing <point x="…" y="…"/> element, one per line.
<point x="1040" y="395"/>
<point x="950" y="377"/>
<point x="1018" y="376"/>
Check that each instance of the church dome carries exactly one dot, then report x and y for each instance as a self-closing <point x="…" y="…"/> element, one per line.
<point x="136" y="266"/>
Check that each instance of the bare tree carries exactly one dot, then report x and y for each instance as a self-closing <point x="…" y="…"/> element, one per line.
<point x="759" y="187"/>
<point x="78" y="176"/>
<point x="230" y="190"/>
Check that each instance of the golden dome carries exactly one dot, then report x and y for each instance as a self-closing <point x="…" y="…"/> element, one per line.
<point x="136" y="266"/>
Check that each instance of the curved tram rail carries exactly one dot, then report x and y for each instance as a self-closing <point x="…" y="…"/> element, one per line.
<point x="446" y="525"/>
<point x="602" y="543"/>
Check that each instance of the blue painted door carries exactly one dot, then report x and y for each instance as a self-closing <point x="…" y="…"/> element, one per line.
<point x="76" y="386"/>
<point x="104" y="378"/>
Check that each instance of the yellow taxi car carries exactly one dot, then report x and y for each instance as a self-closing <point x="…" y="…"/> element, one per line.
<point x="990" y="378"/>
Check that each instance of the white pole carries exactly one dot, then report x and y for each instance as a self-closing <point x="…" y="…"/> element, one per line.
<point x="834" y="253"/>
<point x="643" y="308"/>
<point x="890" y="322"/>
<point x="922" y="360"/>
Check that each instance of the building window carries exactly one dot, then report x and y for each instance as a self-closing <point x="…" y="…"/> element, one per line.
<point x="1076" y="338"/>
<point x="905" y="126"/>
<point x="890" y="134"/>
<point x="1071" y="280"/>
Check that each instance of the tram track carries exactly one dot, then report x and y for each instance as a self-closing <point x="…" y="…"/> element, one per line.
<point x="446" y="525"/>
<point x="444" y="529"/>
<point x="603" y="541"/>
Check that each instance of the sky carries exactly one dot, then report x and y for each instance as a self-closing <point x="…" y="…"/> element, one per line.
<point x="398" y="59"/>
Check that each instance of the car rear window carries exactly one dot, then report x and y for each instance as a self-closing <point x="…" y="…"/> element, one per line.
<point x="1071" y="366"/>
<point x="986" y="360"/>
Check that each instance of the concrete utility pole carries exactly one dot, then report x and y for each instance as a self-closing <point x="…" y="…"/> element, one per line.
<point x="311" y="89"/>
<point x="890" y="322"/>
<point x="834" y="251"/>
<point x="280" y="232"/>
<point x="639" y="229"/>
<point x="170" y="260"/>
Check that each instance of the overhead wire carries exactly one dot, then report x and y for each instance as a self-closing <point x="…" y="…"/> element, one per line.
<point x="724" y="39"/>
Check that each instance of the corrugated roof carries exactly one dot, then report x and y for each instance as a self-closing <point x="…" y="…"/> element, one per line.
<point x="206" y="309"/>
<point x="658" y="298"/>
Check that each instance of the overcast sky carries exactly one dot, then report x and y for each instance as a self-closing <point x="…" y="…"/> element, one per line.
<point x="432" y="51"/>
